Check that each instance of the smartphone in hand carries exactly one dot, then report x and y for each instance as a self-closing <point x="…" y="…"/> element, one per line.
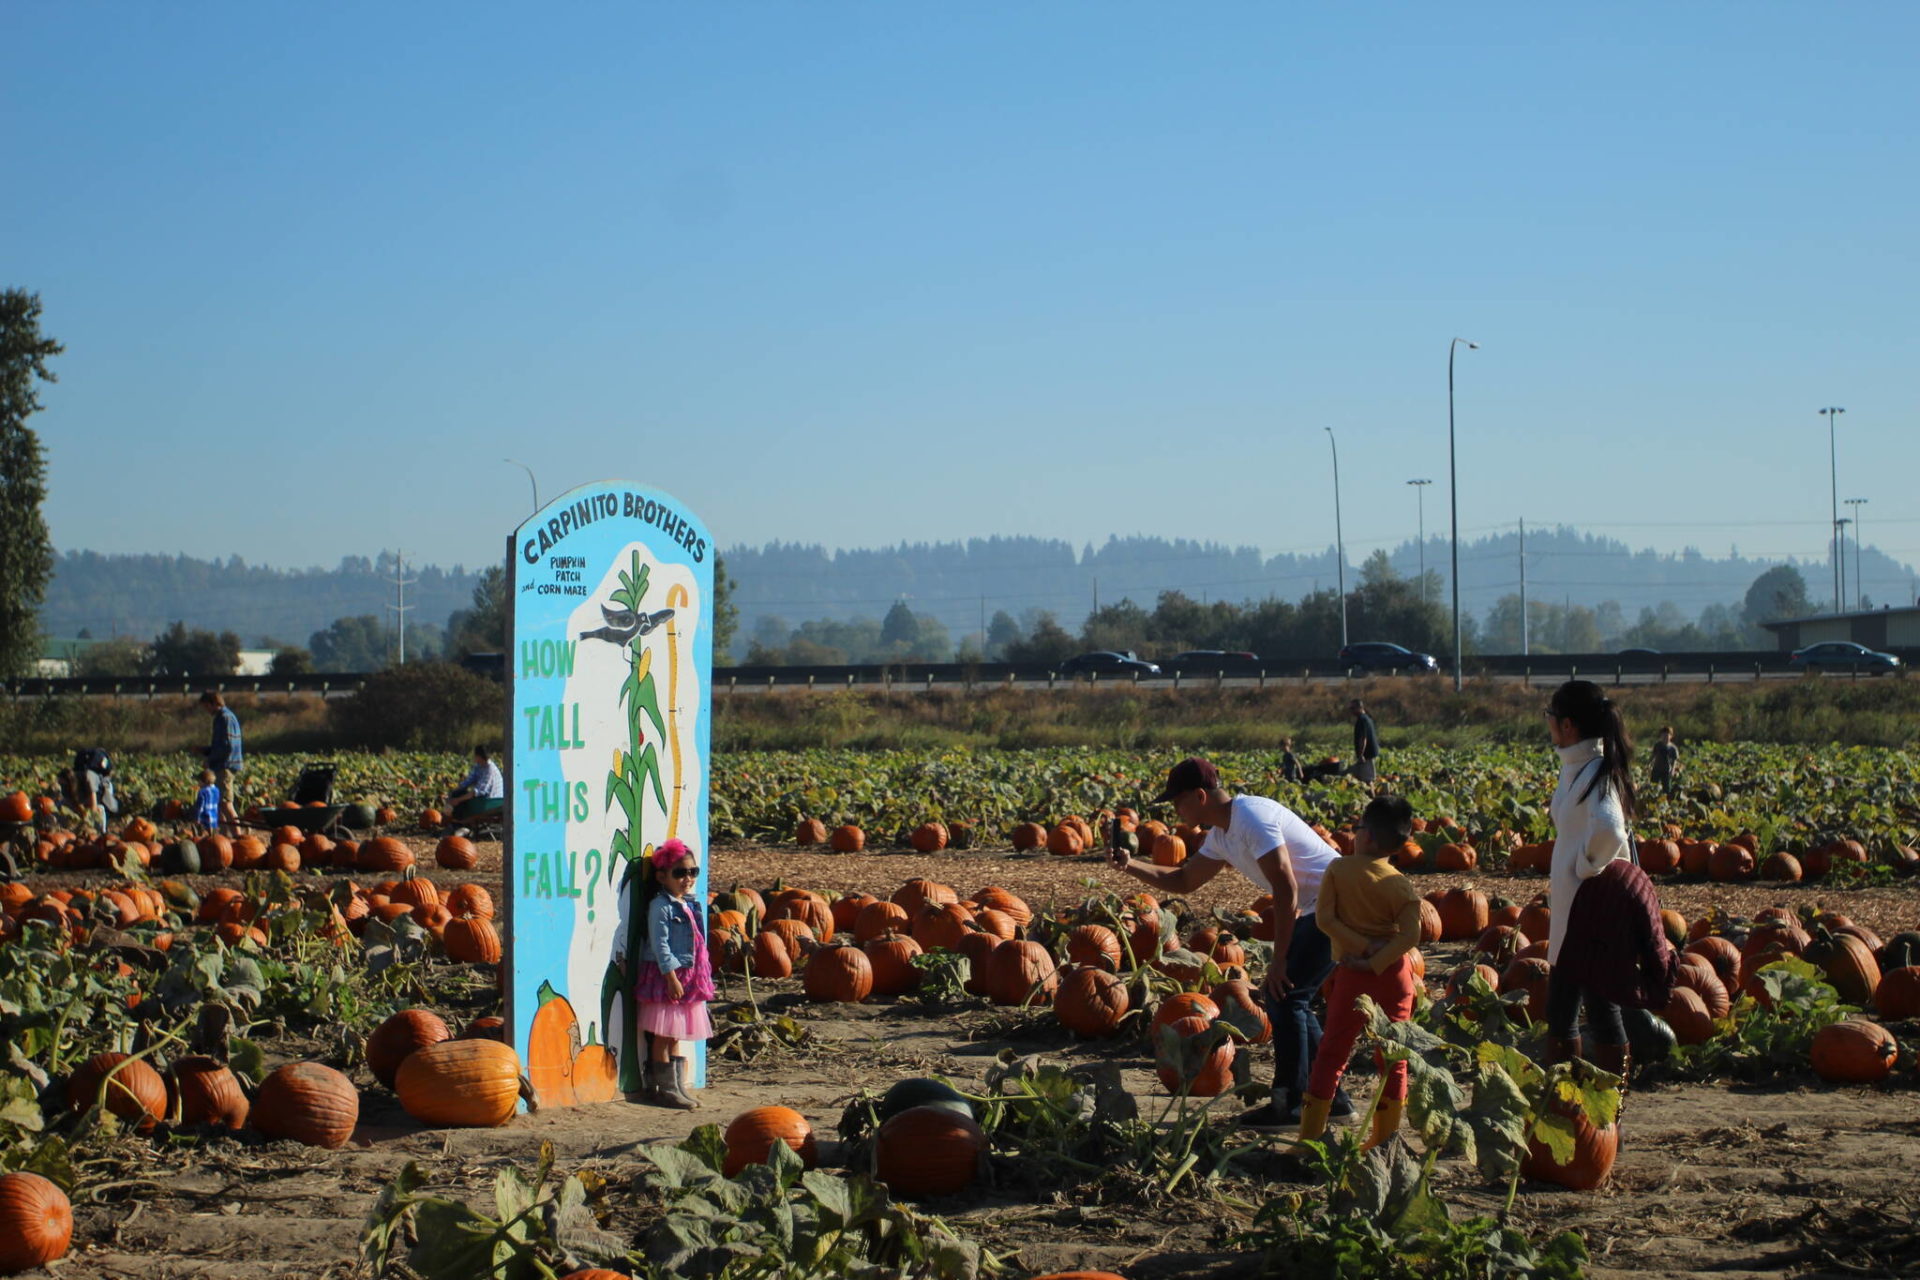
<point x="1118" y="853"/>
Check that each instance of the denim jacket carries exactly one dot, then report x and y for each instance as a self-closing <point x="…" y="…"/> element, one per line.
<point x="670" y="938"/>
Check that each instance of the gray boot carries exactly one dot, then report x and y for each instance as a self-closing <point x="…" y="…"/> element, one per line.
<point x="666" y="1087"/>
<point x="683" y="1067"/>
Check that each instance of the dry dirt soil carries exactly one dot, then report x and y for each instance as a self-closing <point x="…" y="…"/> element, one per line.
<point x="1721" y="1179"/>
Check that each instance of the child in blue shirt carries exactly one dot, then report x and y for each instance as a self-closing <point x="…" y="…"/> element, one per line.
<point x="206" y="809"/>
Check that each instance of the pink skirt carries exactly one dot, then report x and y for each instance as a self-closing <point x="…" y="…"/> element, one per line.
<point x="676" y="1019"/>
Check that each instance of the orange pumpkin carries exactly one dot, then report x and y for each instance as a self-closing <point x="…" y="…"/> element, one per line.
<point x="838" y="975"/>
<point x="928" y="1151"/>
<point x="308" y="1103"/>
<point x="1095" y="945"/>
<point x="994" y="898"/>
<point x="134" y="1091"/>
<point x="1090" y="1001"/>
<point x="848" y="839"/>
<point x="1019" y="973"/>
<point x="879" y="918"/>
<point x="890" y="957"/>
<point x="810" y="831"/>
<point x="929" y="837"/>
<point x="471" y="940"/>
<point x="460" y="1084"/>
<point x="596" y="1074"/>
<point x="206" y="1092"/>
<point x="1213" y="1076"/>
<point x="36" y="1219"/>
<point x="752" y="1134"/>
<point x="384" y="853"/>
<point x="399" y="1036"/>
<point x="456" y="853"/>
<point x="1028" y="835"/>
<point x="1854" y="1052"/>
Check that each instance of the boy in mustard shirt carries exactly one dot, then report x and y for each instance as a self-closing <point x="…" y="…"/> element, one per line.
<point x="1371" y="913"/>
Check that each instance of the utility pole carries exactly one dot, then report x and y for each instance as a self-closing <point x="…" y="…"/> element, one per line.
<point x="1859" y="574"/>
<point x="401" y="581"/>
<point x="1840" y="532"/>
<point x="1832" y="415"/>
<point x="1339" y="539"/>
<point x="1420" y="488"/>
<point x="1524" y="649"/>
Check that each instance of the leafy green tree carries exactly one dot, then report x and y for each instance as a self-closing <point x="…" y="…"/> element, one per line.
<point x="1047" y="642"/>
<point x="180" y="652"/>
<point x="291" y="661"/>
<point x="900" y="628"/>
<point x="1002" y="631"/>
<point x="358" y="643"/>
<point x="26" y="552"/>
<point x="483" y="628"/>
<point x="1118" y="627"/>
<point x="433" y="706"/>
<point x="122" y="656"/>
<point x="1780" y="592"/>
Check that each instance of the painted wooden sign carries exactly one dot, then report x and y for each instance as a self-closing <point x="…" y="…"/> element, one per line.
<point x="610" y="663"/>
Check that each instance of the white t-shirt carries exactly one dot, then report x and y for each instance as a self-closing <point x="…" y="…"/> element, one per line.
<point x="1259" y="825"/>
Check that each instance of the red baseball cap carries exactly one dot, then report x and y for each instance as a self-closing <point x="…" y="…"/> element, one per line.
<point x="1192" y="772"/>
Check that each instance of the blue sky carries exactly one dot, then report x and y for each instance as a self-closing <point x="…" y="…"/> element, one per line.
<point x="863" y="273"/>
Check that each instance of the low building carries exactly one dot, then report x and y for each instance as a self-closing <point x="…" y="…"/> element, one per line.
<point x="1888" y="629"/>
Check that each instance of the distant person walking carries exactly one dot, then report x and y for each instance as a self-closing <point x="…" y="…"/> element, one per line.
<point x="1666" y="763"/>
<point x="1366" y="744"/>
<point x="223" y="756"/>
<point x="1271" y="846"/>
<point x="1290" y="770"/>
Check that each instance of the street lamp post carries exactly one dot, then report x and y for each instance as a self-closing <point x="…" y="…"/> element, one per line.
<point x="1339" y="539"/>
<point x="1832" y="415"/>
<point x="530" y="480"/>
<point x="1859" y="578"/>
<point x="1453" y="501"/>
<point x="1840" y="534"/>
<point x="1420" y="488"/>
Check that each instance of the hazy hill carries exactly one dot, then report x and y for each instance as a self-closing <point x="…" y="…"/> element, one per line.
<point x="958" y="583"/>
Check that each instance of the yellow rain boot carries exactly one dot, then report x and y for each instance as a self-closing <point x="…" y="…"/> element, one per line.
<point x="1386" y="1119"/>
<point x="1313" y="1117"/>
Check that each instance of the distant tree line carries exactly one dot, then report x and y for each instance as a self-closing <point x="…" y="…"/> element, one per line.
<point x="1383" y="606"/>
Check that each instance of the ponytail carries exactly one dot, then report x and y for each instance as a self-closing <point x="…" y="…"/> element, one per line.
<point x="1595" y="715"/>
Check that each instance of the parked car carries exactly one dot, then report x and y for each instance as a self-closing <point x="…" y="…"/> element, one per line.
<point x="1843" y="654"/>
<point x="1105" y="662"/>
<point x="1209" y="661"/>
<point x="1375" y="655"/>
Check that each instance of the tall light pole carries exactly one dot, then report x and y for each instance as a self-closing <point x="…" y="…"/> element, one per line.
<point x="1339" y="539"/>
<point x="1420" y="488"/>
<point x="1832" y="415"/>
<point x="1859" y="579"/>
<point x="530" y="480"/>
<point x="1840" y="534"/>
<point x="1453" y="501"/>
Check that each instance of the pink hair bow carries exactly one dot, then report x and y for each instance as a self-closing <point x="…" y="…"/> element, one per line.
<point x="669" y="852"/>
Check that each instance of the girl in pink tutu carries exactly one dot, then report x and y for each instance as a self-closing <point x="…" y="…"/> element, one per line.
<point x="676" y="979"/>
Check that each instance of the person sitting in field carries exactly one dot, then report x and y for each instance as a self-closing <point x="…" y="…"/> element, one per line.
<point x="481" y="792"/>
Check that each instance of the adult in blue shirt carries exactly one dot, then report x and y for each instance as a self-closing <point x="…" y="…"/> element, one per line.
<point x="223" y="756"/>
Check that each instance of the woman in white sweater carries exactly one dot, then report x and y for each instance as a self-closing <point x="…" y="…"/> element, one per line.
<point x="1593" y="810"/>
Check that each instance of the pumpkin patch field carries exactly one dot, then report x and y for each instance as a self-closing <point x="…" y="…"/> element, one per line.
<point x="952" y="1041"/>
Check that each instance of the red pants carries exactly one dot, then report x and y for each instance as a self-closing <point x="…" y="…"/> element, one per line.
<point x="1393" y="992"/>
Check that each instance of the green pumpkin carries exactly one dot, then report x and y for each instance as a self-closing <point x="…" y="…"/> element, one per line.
<point x="921" y="1091"/>
<point x="180" y="857"/>
<point x="1901" y="951"/>
<point x="1648" y="1035"/>
<point x="358" y="817"/>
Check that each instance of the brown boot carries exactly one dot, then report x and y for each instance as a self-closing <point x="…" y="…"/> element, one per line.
<point x="1615" y="1058"/>
<point x="1561" y="1050"/>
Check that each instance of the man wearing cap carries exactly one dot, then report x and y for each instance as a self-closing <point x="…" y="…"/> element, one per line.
<point x="1270" y="845"/>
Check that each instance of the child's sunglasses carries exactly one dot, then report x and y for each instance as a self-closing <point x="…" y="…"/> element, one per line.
<point x="683" y="873"/>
